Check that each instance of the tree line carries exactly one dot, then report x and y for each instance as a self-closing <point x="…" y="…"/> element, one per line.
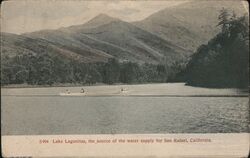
<point x="46" y="69"/>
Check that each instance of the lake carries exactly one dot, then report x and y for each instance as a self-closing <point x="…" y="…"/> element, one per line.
<point x="148" y="108"/>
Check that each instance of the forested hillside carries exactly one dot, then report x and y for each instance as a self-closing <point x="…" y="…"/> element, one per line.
<point x="47" y="69"/>
<point x="104" y="50"/>
<point x="223" y="62"/>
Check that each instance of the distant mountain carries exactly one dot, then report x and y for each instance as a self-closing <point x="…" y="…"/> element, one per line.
<point x="190" y="24"/>
<point x="98" y="20"/>
<point x="167" y="36"/>
<point x="13" y="45"/>
<point x="110" y="37"/>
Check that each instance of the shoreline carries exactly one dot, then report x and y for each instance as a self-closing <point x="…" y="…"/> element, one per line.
<point x="77" y="85"/>
<point x="135" y="90"/>
<point x="103" y="84"/>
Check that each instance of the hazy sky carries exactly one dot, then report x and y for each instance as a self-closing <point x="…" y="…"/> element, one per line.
<point x="19" y="16"/>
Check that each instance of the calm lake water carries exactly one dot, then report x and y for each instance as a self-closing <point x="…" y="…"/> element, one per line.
<point x="32" y="111"/>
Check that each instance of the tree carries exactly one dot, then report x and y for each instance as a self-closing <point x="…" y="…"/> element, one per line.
<point x="111" y="71"/>
<point x="129" y="72"/>
<point x="224" y="19"/>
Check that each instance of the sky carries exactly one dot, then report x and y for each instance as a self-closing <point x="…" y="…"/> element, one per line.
<point x="20" y="16"/>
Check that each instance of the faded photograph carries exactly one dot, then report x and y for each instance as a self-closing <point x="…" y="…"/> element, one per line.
<point x="124" y="67"/>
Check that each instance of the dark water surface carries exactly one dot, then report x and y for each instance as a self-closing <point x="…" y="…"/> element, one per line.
<point x="120" y="115"/>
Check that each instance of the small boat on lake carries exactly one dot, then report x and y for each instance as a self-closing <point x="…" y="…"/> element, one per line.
<point x="123" y="90"/>
<point x="68" y="93"/>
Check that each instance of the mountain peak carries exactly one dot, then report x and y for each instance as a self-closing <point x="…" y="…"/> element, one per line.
<point x="100" y="19"/>
<point x="102" y="15"/>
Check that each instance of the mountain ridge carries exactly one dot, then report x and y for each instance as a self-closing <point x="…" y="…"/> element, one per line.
<point x="113" y="38"/>
<point x="190" y="24"/>
<point x="161" y="37"/>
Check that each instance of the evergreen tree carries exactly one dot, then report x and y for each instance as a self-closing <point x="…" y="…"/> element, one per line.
<point x="224" y="17"/>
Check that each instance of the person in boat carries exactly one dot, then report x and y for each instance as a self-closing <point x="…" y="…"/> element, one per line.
<point x="67" y="91"/>
<point x="123" y="89"/>
<point x="82" y="90"/>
